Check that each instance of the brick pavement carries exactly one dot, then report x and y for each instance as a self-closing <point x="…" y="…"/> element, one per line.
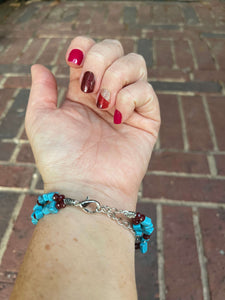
<point x="184" y="189"/>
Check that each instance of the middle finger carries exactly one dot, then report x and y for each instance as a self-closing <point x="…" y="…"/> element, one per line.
<point x="98" y="59"/>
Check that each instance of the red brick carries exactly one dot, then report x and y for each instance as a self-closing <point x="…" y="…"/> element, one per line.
<point x="174" y="14"/>
<point x="29" y="56"/>
<point x="114" y="13"/>
<point x="14" y="51"/>
<point x="62" y="54"/>
<point x="217" y="109"/>
<point x="163" y="54"/>
<point x="144" y="13"/>
<point x="170" y="131"/>
<point x="128" y="45"/>
<point x="18" y="82"/>
<point x="204" y="13"/>
<point x="209" y="75"/>
<point x="5" y="96"/>
<point x="196" y="124"/>
<point x="184" y="188"/>
<point x="203" y="55"/>
<point x="179" y="162"/>
<point x="220" y="163"/>
<point x="49" y="52"/>
<point x="183" y="55"/>
<point x="212" y="224"/>
<point x="25" y="154"/>
<point x="14" y="176"/>
<point x="218" y="48"/>
<point x="163" y="74"/>
<point x="159" y="14"/>
<point x="20" y="237"/>
<point x="182" y="271"/>
<point x="5" y="290"/>
<point x="6" y="150"/>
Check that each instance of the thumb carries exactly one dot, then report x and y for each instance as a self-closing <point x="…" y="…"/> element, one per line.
<point x="43" y="92"/>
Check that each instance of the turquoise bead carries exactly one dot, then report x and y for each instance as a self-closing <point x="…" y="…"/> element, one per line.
<point x="39" y="214"/>
<point x="143" y="247"/>
<point x="137" y="229"/>
<point x="148" y="231"/>
<point x="37" y="207"/>
<point x="41" y="200"/>
<point x="147" y="222"/>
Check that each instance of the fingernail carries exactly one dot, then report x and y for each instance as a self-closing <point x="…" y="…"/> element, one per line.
<point x="103" y="99"/>
<point x="117" y="117"/>
<point x="76" y="56"/>
<point x="88" y="82"/>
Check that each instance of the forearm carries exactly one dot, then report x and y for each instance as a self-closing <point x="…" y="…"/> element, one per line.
<point x="74" y="255"/>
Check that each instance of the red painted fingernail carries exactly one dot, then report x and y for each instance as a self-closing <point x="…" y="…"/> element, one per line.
<point x="117" y="117"/>
<point x="76" y="56"/>
<point x="88" y="82"/>
<point x="103" y="99"/>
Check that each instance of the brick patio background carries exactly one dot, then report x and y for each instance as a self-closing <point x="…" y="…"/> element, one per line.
<point x="184" y="189"/>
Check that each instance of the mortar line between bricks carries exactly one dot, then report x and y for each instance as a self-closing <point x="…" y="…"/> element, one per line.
<point x="201" y="256"/>
<point x="154" y="53"/>
<point x="212" y="165"/>
<point x="183" y="124"/>
<point x="41" y="50"/>
<point x="61" y="45"/>
<point x="34" y="180"/>
<point x="157" y="144"/>
<point x="140" y="192"/>
<point x="193" y="54"/>
<point x="9" y="229"/>
<point x="8" y="105"/>
<point x="18" y="147"/>
<point x="24" y="49"/>
<point x="211" y="53"/>
<point x="160" y="251"/>
<point x="210" y="123"/>
<point x="170" y="202"/>
<point x="175" y="66"/>
<point x="3" y="82"/>
<point x="187" y="175"/>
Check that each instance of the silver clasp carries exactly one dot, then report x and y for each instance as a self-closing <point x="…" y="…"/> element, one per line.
<point x="86" y="202"/>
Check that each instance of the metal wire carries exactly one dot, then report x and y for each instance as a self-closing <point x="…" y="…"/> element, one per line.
<point x="111" y="212"/>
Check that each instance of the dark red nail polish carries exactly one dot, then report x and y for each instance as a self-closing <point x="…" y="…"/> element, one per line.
<point x="88" y="82"/>
<point x="103" y="99"/>
<point x="76" y="56"/>
<point x="117" y="117"/>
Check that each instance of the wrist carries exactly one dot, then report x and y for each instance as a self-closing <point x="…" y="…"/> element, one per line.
<point x="105" y="195"/>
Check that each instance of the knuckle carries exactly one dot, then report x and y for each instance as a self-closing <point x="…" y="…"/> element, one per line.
<point x="97" y="56"/>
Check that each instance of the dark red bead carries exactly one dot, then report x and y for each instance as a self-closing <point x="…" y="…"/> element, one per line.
<point x="55" y="197"/>
<point x="146" y="236"/>
<point x="63" y="205"/>
<point x="142" y="218"/>
<point x="138" y="215"/>
<point x="58" y="205"/>
<point x="61" y="197"/>
<point x="34" y="216"/>
<point x="135" y="221"/>
<point x="137" y="245"/>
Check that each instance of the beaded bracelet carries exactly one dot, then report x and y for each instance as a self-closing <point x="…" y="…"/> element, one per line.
<point x="141" y="227"/>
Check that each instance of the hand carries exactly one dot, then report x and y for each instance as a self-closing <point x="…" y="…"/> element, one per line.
<point x="78" y="149"/>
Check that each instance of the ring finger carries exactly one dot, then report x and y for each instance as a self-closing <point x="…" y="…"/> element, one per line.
<point x="124" y="71"/>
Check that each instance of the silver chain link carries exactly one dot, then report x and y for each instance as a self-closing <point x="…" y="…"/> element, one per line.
<point x="109" y="211"/>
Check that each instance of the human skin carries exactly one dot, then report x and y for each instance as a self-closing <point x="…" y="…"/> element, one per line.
<point x="80" y="152"/>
